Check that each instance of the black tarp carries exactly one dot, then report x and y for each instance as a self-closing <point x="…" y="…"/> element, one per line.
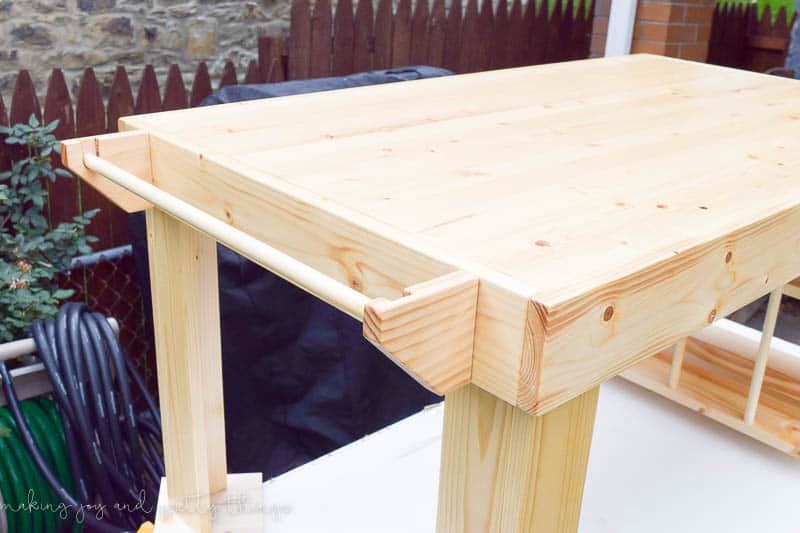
<point x="299" y="379"/>
<point x="240" y="93"/>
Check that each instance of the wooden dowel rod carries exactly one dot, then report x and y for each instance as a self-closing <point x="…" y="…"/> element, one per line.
<point x="677" y="363"/>
<point x="14" y="349"/>
<point x="323" y="287"/>
<point x="770" y="319"/>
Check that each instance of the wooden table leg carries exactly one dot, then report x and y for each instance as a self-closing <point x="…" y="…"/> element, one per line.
<point x="183" y="273"/>
<point x="506" y="471"/>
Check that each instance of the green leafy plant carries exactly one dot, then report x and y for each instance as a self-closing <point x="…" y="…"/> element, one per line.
<point x="774" y="6"/>
<point x="32" y="253"/>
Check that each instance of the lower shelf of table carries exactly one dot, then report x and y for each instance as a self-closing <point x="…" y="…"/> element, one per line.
<point x="721" y="395"/>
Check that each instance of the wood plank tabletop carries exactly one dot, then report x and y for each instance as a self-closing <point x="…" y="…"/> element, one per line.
<point x="609" y="206"/>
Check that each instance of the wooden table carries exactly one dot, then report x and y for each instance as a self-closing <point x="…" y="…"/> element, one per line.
<point x="512" y="239"/>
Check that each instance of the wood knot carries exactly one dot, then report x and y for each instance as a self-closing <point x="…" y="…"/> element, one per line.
<point x="608" y="314"/>
<point x="728" y="257"/>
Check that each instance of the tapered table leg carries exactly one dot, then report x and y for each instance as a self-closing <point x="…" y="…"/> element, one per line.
<point x="183" y="272"/>
<point x="505" y="471"/>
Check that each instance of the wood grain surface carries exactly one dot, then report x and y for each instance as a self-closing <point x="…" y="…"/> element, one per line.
<point x="609" y="207"/>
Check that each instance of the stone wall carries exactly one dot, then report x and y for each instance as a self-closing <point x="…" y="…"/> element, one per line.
<point x="73" y="34"/>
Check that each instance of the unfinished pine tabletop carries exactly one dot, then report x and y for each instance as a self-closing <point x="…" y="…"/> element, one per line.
<point x="510" y="238"/>
<point x="608" y="206"/>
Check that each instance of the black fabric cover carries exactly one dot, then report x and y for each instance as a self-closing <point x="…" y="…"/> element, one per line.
<point x="299" y="378"/>
<point x="240" y="93"/>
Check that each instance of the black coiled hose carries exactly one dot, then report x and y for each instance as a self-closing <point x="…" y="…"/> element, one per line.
<point x="115" y="451"/>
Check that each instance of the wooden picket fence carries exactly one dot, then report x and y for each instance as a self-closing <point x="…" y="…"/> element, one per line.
<point x="91" y="116"/>
<point x="462" y="39"/>
<point x="742" y="39"/>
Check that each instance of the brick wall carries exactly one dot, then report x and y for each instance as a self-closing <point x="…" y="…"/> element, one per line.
<point x="676" y="28"/>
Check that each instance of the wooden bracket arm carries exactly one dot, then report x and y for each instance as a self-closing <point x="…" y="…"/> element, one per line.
<point x="128" y="150"/>
<point x="430" y="331"/>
